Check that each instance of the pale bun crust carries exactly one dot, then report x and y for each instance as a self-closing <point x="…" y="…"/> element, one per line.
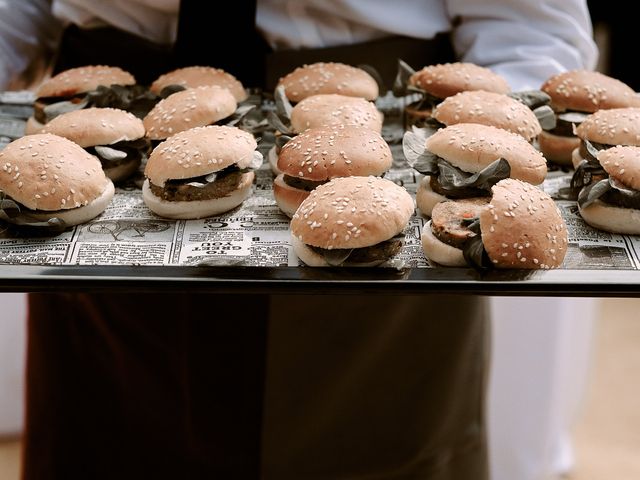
<point x="488" y="108"/>
<point x="444" y="80"/>
<point x="557" y="148"/>
<point x="76" y="216"/>
<point x="272" y="158"/>
<point x="331" y="109"/>
<point x="199" y="151"/>
<point x="47" y="172"/>
<point x="32" y="126"/>
<point x="610" y="218"/>
<point x="83" y="79"/>
<point x="287" y="197"/>
<point x="576" y="158"/>
<point x="352" y="212"/>
<point x="471" y="147"/>
<point x="308" y="256"/>
<point x="194" y="107"/>
<point x="588" y="91"/>
<point x="522" y="227"/>
<point x="198" y="208"/>
<point x="328" y="152"/>
<point x="440" y="252"/>
<point x="623" y="164"/>
<point x="329" y="77"/>
<point x="198" y="76"/>
<point x="426" y="198"/>
<point x="96" y="126"/>
<point x="618" y="126"/>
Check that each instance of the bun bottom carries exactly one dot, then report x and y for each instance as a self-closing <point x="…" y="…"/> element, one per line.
<point x="612" y="219"/>
<point x="78" y="215"/>
<point x="308" y="256"/>
<point x="557" y="148"/>
<point x="186" y="210"/>
<point x="439" y="252"/>
<point x="287" y="197"/>
<point x="426" y="198"/>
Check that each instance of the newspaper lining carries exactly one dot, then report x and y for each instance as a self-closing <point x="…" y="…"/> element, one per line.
<point x="256" y="233"/>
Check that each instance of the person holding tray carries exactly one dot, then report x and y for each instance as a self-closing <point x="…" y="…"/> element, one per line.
<point x="204" y="385"/>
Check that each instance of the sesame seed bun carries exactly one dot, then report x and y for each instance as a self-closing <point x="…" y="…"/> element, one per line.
<point x="96" y="126"/>
<point x="323" y="153"/>
<point x="198" y="152"/>
<point x="472" y="147"/>
<point x="622" y="163"/>
<point x="198" y="208"/>
<point x="321" y="78"/>
<point x="520" y="228"/>
<point x="198" y="76"/>
<point x="331" y="109"/>
<point x="619" y="126"/>
<point x="588" y="91"/>
<point x="194" y="107"/>
<point x="488" y="108"/>
<point x="557" y="148"/>
<point x="444" y="80"/>
<point x="48" y="173"/>
<point x="350" y="212"/>
<point x="83" y="79"/>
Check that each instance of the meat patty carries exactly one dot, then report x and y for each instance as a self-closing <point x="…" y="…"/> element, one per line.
<point x="450" y="220"/>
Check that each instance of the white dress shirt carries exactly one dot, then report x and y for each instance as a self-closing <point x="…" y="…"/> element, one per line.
<point x="524" y="41"/>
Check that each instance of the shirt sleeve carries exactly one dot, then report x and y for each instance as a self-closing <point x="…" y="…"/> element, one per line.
<point x="523" y="40"/>
<point x="27" y="31"/>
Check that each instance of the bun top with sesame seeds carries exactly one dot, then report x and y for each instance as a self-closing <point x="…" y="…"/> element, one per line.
<point x="444" y="80"/>
<point x="199" y="76"/>
<point x="339" y="151"/>
<point x="329" y="77"/>
<point x="332" y="109"/>
<point x="194" y="107"/>
<point x="488" y="108"/>
<point x="522" y="227"/>
<point x="352" y="212"/>
<point x="471" y="147"/>
<point x="83" y="79"/>
<point x="96" y="126"/>
<point x="618" y="126"/>
<point x="622" y="163"/>
<point x="48" y="172"/>
<point x="198" y="152"/>
<point x="588" y="91"/>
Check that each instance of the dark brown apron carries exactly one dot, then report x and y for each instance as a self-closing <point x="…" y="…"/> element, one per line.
<point x="173" y="386"/>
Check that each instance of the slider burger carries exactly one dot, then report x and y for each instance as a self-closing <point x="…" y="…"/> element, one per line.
<point x="518" y="227"/>
<point x="197" y="76"/>
<point x="319" y="111"/>
<point x="437" y="82"/>
<point x="489" y="108"/>
<point x="46" y="180"/>
<point x="201" y="172"/>
<point x="466" y="160"/>
<point x="323" y="153"/>
<point x="114" y="136"/>
<point x="611" y="201"/>
<point x="68" y="91"/>
<point x="574" y="95"/>
<point x="323" y="78"/>
<point x="194" y="107"/>
<point x="351" y="221"/>
<point x="605" y="129"/>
